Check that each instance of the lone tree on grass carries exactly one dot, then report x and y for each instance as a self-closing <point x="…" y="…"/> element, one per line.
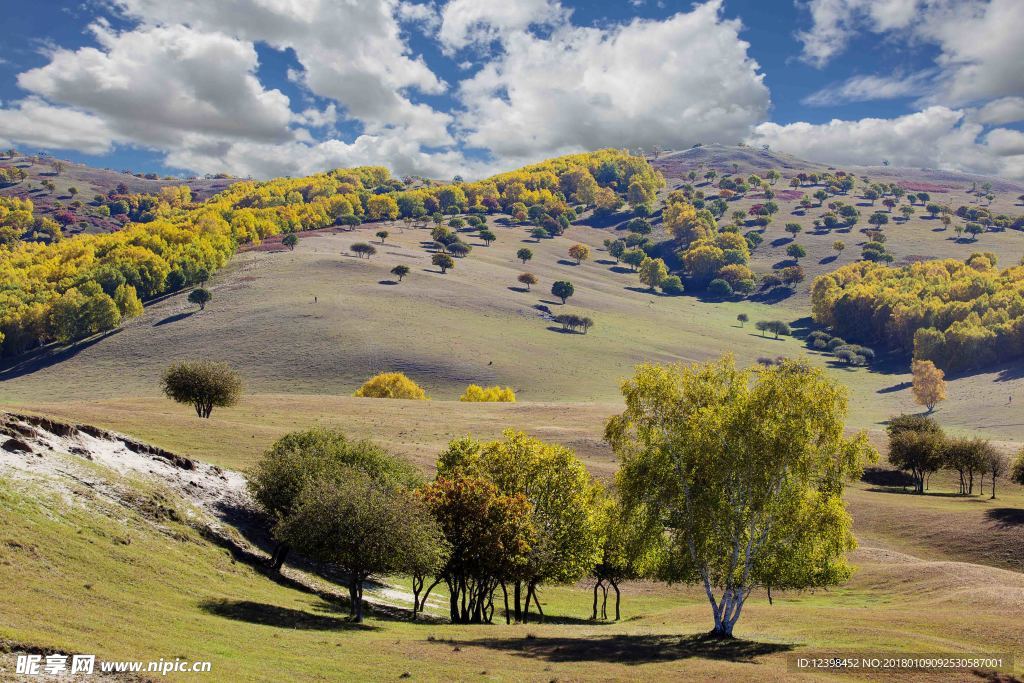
<point x="746" y="469"/>
<point x="539" y="234"/>
<point x="443" y="261"/>
<point x="796" y="252"/>
<point x="487" y="236"/>
<point x="929" y="385"/>
<point x="524" y="255"/>
<point x="400" y="272"/>
<point x="793" y="229"/>
<point x="382" y="235"/>
<point x="200" y="297"/>
<point x="580" y="252"/>
<point x="291" y="240"/>
<point x="317" y="455"/>
<point x="838" y="247"/>
<point x="563" y="289"/>
<point x="203" y="384"/>
<point x="528" y="279"/>
<point x="742" y="318"/>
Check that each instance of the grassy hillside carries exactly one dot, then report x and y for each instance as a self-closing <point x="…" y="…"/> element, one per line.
<point x="89" y="182"/>
<point x="471" y="325"/>
<point x="126" y="579"/>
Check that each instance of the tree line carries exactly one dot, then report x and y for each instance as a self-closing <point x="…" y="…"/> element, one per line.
<point x="961" y="315"/>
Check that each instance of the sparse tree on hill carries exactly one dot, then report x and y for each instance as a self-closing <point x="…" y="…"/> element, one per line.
<point x="838" y="246"/>
<point x="580" y="252"/>
<point x="202" y="384"/>
<point x="563" y="289"/>
<point x="528" y="279"/>
<point x="539" y="234"/>
<point x="796" y="252"/>
<point x="382" y="235"/>
<point x="487" y="236"/>
<point x="400" y="272"/>
<point x="929" y="386"/>
<point x="291" y="240"/>
<point x="742" y="318"/>
<point x="996" y="466"/>
<point x="793" y="229"/>
<point x="878" y="219"/>
<point x="747" y="470"/>
<point x="362" y="249"/>
<point x="524" y="255"/>
<point x="443" y="261"/>
<point x="200" y="297"/>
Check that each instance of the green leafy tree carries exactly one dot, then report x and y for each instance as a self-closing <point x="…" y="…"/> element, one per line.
<point x="400" y="272"/>
<point x="916" y="445"/>
<point x="796" y="251"/>
<point x="382" y="235"/>
<point x="742" y="318"/>
<point x="363" y="529"/>
<point x="524" y="255"/>
<point x="746" y="469"/>
<point x="202" y="384"/>
<point x="443" y="261"/>
<point x="291" y="240"/>
<point x="200" y="297"/>
<point x="317" y="454"/>
<point x="487" y="236"/>
<point x="563" y="289"/>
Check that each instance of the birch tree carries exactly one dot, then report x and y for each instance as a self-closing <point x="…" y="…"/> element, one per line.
<point x="745" y="469"/>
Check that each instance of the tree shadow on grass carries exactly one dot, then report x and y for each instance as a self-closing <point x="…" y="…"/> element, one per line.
<point x="827" y="259"/>
<point x="562" y="330"/>
<point x="282" y="617"/>
<point x="44" y="357"/>
<point x="633" y="649"/>
<point x="521" y="290"/>
<point x="620" y="269"/>
<point x="1006" y="518"/>
<point x="900" y="386"/>
<point x="387" y="282"/>
<point x="566" y="262"/>
<point x="174" y="318"/>
<point x="605" y="262"/>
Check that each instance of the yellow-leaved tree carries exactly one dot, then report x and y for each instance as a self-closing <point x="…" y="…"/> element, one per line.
<point x="929" y="385"/>
<point x="477" y="394"/>
<point x="391" y="385"/>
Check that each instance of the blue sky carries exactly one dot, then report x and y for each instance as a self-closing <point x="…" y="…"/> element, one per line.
<point x="269" y="87"/>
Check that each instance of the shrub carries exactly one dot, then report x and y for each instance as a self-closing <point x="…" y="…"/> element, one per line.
<point x="672" y="285"/>
<point x="496" y="394"/>
<point x="719" y="288"/>
<point x="391" y="385"/>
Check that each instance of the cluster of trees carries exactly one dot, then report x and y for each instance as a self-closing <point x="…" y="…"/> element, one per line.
<point x="391" y="385"/>
<point x="11" y="175"/>
<point x="496" y="394"/>
<point x="747" y="496"/>
<point x="574" y="323"/>
<point x="958" y="314"/>
<point x="851" y="354"/>
<point x="172" y="242"/>
<point x="918" y="446"/>
<point x="776" y="327"/>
